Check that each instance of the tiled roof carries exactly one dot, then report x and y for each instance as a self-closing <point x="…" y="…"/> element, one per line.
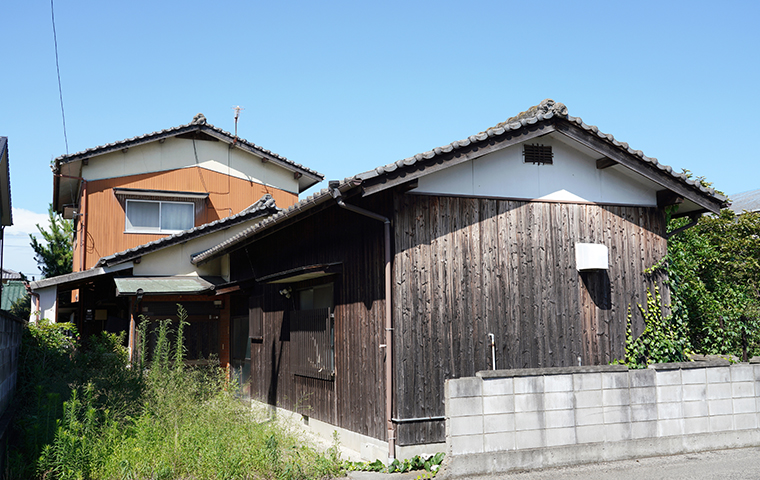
<point x="546" y="110"/>
<point x="264" y="206"/>
<point x="9" y="274"/>
<point x="749" y="201"/>
<point x="198" y="124"/>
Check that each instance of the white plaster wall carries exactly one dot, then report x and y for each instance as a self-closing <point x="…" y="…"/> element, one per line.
<point x="48" y="299"/>
<point x="175" y="260"/>
<point x="177" y="153"/>
<point x="573" y="177"/>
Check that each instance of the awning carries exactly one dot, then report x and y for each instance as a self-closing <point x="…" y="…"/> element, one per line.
<point x="165" y="285"/>
<point x="302" y="273"/>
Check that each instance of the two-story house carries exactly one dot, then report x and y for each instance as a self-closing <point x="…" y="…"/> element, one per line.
<point x="179" y="188"/>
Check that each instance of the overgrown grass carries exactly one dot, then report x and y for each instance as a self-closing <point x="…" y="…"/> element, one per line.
<point x="164" y="420"/>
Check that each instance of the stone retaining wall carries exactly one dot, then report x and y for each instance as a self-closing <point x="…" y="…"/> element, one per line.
<point x="510" y="420"/>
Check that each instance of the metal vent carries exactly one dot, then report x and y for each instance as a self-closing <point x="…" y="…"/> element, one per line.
<point x="538" y="154"/>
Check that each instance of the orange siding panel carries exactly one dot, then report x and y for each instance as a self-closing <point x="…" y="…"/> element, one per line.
<point x="106" y="217"/>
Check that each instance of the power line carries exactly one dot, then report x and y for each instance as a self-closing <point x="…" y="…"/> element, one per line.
<point x="58" y="71"/>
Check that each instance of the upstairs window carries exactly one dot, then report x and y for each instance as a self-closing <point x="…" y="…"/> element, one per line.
<point x="147" y="216"/>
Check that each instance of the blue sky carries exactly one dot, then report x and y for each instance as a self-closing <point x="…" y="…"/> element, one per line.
<point x="343" y="87"/>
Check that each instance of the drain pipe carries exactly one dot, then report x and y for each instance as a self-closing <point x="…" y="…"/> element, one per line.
<point x="333" y="184"/>
<point x="493" y="351"/>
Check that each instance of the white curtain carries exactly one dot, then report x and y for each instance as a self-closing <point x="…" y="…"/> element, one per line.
<point x="177" y="216"/>
<point x="142" y="215"/>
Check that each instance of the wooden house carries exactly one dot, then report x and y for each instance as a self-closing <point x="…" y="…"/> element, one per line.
<point x="141" y="207"/>
<point x="522" y="246"/>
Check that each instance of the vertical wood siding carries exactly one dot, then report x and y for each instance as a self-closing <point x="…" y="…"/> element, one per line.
<point x="354" y="399"/>
<point x="105" y="229"/>
<point x="467" y="267"/>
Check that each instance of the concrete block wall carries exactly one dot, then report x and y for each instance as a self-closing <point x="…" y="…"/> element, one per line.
<point x="532" y="418"/>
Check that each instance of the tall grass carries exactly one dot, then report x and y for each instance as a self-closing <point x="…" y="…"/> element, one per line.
<point x="185" y="423"/>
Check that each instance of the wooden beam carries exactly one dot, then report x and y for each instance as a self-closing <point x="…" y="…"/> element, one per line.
<point x="666" y="198"/>
<point x="456" y="157"/>
<point x="637" y="165"/>
<point x="605" y="162"/>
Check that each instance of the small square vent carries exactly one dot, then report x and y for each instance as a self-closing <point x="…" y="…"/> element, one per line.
<point x="538" y="154"/>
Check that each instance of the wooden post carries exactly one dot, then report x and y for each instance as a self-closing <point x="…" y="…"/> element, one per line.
<point x="131" y="346"/>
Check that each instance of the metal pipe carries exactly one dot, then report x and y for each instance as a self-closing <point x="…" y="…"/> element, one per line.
<point x="388" y="315"/>
<point x="418" y="419"/>
<point x="493" y="351"/>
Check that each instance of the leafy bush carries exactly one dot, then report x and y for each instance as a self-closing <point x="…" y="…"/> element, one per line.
<point x="165" y="420"/>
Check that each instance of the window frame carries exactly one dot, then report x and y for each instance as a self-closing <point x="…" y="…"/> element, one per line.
<point x="303" y="366"/>
<point x="159" y="230"/>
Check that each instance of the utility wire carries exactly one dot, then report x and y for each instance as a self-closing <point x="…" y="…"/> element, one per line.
<point x="58" y="71"/>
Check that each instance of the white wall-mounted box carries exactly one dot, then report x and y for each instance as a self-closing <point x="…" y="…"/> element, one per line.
<point x="591" y="256"/>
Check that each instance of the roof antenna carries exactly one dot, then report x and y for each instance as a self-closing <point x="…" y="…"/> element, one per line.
<point x="237" y="109"/>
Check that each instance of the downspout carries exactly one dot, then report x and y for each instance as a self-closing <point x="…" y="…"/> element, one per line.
<point x="388" y="313"/>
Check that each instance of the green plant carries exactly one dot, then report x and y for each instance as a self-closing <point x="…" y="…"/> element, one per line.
<point x="430" y="464"/>
<point x="55" y="255"/>
<point x="663" y="340"/>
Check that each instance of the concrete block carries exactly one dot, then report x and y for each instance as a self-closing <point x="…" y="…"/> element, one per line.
<point x="590" y="433"/>
<point x="617" y="432"/>
<point x="498" y="386"/>
<point x="498" y="404"/>
<point x="742" y="389"/>
<point x="529" y="384"/>
<point x="499" y="442"/>
<point x="529" y="420"/>
<point x="499" y="423"/>
<point x="643" y="394"/>
<point x="745" y="421"/>
<point x="465" y="387"/>
<point x="618" y="396"/>
<point x="694" y="376"/>
<point x="668" y="428"/>
<point x="465" y="407"/>
<point x="670" y="393"/>
<point x="589" y="416"/>
<point x="558" y="400"/>
<point x="644" y="412"/>
<point x="560" y="436"/>
<point x="615" y="380"/>
<point x="696" y="392"/>
<point x="696" y="425"/>
<point x="529" y="439"/>
<point x="589" y="398"/>
<point x="742" y="373"/>
<point x="643" y="430"/>
<point x="466" y="445"/>
<point x="558" y="383"/>
<point x="617" y="414"/>
<point x="559" y="418"/>
<point x="669" y="377"/>
<point x="723" y="423"/>
<point x="529" y="402"/>
<point x="718" y="390"/>
<point x="745" y="405"/>
<point x="460" y="426"/>
<point x="642" y="378"/>
<point x="720" y="407"/>
<point x="587" y="381"/>
<point x="669" y="410"/>
<point x="718" y="375"/>
<point x="695" y="409"/>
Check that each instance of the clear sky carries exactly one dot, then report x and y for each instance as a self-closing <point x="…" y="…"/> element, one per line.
<point x="343" y="87"/>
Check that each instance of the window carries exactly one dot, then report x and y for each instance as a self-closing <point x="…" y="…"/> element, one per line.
<point x="312" y="333"/>
<point x="147" y="216"/>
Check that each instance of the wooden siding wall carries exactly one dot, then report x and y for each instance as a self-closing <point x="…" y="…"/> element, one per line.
<point x="465" y="267"/>
<point x="105" y="226"/>
<point x="355" y="399"/>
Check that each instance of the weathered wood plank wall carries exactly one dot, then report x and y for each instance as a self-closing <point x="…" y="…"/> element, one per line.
<point x="467" y="267"/>
<point x="355" y="398"/>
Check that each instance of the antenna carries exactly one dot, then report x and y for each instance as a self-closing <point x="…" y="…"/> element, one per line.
<point x="237" y="109"/>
